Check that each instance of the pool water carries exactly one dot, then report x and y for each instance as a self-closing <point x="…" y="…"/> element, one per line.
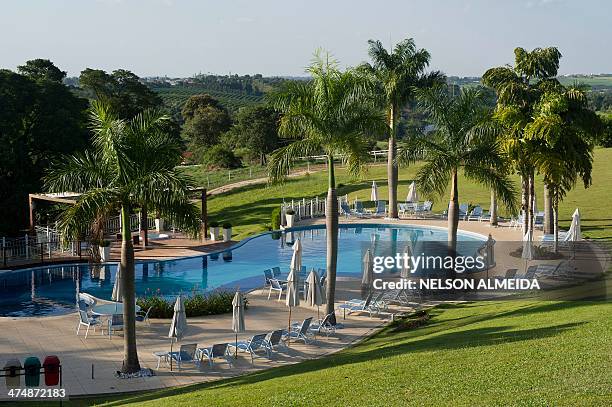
<point x="53" y="290"/>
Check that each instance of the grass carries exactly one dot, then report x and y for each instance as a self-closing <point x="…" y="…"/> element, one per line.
<point x="249" y="208"/>
<point x="501" y="353"/>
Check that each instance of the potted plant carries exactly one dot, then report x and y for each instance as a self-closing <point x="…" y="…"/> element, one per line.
<point x="227" y="232"/>
<point x="104" y="246"/>
<point x="289" y="215"/>
<point x="214" y="230"/>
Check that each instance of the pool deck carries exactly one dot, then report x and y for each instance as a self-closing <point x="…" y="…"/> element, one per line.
<point x="41" y="336"/>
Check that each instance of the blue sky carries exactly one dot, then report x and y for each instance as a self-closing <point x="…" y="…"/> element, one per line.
<point x="183" y="37"/>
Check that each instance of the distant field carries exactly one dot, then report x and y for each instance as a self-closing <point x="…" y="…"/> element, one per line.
<point x="596" y="82"/>
<point x="176" y="96"/>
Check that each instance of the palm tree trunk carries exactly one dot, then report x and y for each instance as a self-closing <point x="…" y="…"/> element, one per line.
<point x="392" y="165"/>
<point x="130" y="354"/>
<point x="144" y="227"/>
<point x="331" y="228"/>
<point x="493" y="209"/>
<point x="453" y="213"/>
<point x="524" y="200"/>
<point x="531" y="201"/>
<point x="548" y="211"/>
<point x="556" y="225"/>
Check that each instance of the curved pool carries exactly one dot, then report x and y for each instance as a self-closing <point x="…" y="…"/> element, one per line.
<point x="53" y="290"/>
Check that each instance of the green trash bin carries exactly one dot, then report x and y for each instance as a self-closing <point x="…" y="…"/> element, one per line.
<point x="32" y="371"/>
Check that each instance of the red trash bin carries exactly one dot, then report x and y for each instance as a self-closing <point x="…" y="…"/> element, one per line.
<point x="51" y="365"/>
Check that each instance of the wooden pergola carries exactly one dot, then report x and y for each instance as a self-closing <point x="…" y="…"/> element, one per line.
<point x="70" y="198"/>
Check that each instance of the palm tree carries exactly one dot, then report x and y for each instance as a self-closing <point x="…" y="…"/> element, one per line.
<point x="397" y="75"/>
<point x="564" y="130"/>
<point x="131" y="163"/>
<point x="330" y="113"/>
<point x="519" y="90"/>
<point x="463" y="139"/>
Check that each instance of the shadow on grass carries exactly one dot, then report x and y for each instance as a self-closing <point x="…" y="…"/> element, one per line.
<point x="431" y="337"/>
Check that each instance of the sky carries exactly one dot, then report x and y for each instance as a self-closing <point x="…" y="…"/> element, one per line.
<point x="179" y="38"/>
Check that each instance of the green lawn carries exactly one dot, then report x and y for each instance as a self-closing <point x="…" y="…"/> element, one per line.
<point x="502" y="353"/>
<point x="248" y="208"/>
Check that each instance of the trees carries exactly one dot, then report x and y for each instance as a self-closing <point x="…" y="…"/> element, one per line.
<point x="329" y="114"/>
<point x="519" y="90"/>
<point x="397" y="75"/>
<point x="256" y="128"/>
<point x="121" y="90"/>
<point x="205" y="121"/>
<point x="463" y="139"/>
<point x="564" y="131"/>
<point x="131" y="163"/>
<point x="39" y="118"/>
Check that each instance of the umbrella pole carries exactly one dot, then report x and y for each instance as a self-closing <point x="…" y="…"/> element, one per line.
<point x="171" y="341"/>
<point x="289" y="329"/>
<point x="236" y="347"/>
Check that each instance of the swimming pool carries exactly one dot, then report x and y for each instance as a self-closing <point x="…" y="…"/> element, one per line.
<point x="53" y="290"/>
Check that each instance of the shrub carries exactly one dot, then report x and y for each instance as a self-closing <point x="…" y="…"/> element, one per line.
<point x="220" y="156"/>
<point x="214" y="303"/>
<point x="104" y="243"/>
<point x="214" y="224"/>
<point x="227" y="225"/>
<point x="290" y="212"/>
<point x="275" y="218"/>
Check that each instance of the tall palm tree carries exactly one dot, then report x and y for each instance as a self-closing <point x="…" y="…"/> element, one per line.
<point x="519" y="90"/>
<point x="463" y="139"/>
<point x="397" y="75"/>
<point x="130" y="163"/>
<point x="564" y="130"/>
<point x="331" y="113"/>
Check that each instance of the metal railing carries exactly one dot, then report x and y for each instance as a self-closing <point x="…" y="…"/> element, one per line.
<point x="44" y="245"/>
<point x="306" y="208"/>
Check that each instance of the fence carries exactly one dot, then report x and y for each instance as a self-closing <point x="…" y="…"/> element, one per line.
<point x="44" y="245"/>
<point x="306" y="208"/>
<point x="113" y="224"/>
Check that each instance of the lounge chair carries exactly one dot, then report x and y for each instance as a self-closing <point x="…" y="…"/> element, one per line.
<point x="276" y="271"/>
<point x="539" y="220"/>
<point x="186" y="354"/>
<point x="510" y="273"/>
<point x="89" y="299"/>
<point x="345" y="209"/>
<point x="423" y="209"/>
<point x="267" y="277"/>
<point x="143" y="316"/>
<point x="369" y="305"/>
<point x="299" y="331"/>
<point x="273" y="339"/>
<point x="463" y="211"/>
<point x="86" y="320"/>
<point x="115" y="322"/>
<point x="475" y="214"/>
<point x="324" y="326"/>
<point x="380" y="209"/>
<point x="359" y="210"/>
<point x="402" y="208"/>
<point x="219" y="350"/>
<point x="257" y="342"/>
<point x="276" y="285"/>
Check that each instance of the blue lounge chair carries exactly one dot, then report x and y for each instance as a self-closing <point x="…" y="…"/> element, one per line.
<point x="219" y="350"/>
<point x="380" y="208"/>
<point x="273" y="339"/>
<point x="276" y="271"/>
<point x="186" y="354"/>
<point x="267" y="277"/>
<point x="475" y="214"/>
<point x="324" y="326"/>
<point x="257" y="342"/>
<point x="345" y="209"/>
<point x="463" y="211"/>
<point x="299" y="331"/>
<point x="359" y="210"/>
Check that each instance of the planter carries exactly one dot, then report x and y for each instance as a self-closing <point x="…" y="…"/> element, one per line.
<point x="289" y="220"/>
<point x="227" y="234"/>
<point x="159" y="225"/>
<point x="104" y="254"/>
<point x="214" y="233"/>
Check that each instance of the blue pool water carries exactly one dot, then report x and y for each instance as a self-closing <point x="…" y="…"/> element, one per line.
<point x="53" y="290"/>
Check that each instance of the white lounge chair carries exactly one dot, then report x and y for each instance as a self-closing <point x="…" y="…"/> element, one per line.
<point x="86" y="320"/>
<point x="186" y="354"/>
<point x="257" y="342"/>
<point x="276" y="285"/>
<point x="299" y="331"/>
<point x="219" y="350"/>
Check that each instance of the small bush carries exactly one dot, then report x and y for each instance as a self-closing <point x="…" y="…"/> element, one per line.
<point x="220" y="156"/>
<point x="290" y="212"/>
<point x="275" y="218"/>
<point x="227" y="225"/>
<point x="214" y="224"/>
<point x="214" y="303"/>
<point x="104" y="243"/>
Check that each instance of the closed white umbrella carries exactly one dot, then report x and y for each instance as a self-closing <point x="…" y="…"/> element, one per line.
<point x="237" y="317"/>
<point x="374" y="193"/>
<point x="293" y="293"/>
<point x="527" y="249"/>
<point x="412" y="196"/>
<point x="405" y="271"/>
<point x="296" y="259"/>
<point x="117" y="294"/>
<point x="178" y="327"/>
<point x="315" y="296"/>
<point x="574" y="234"/>
<point x="367" y="269"/>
